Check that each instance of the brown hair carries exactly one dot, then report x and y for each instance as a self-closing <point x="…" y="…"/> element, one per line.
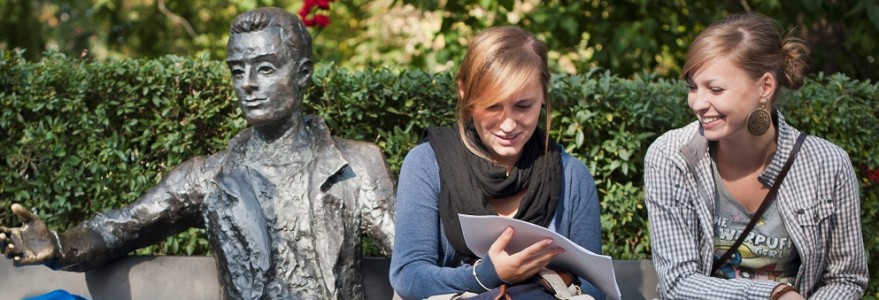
<point x="293" y="33"/>
<point x="499" y="63"/>
<point x="756" y="44"/>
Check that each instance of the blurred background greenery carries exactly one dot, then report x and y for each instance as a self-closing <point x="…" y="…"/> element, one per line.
<point x="625" y="37"/>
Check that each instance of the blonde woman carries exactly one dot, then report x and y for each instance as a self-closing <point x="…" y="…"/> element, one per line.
<point x="741" y="166"/>
<point x="495" y="162"/>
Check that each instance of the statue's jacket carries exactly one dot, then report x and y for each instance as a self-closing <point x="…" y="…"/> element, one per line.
<point x="292" y="231"/>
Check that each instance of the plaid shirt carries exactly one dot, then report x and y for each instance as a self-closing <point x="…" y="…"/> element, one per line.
<point x="819" y="202"/>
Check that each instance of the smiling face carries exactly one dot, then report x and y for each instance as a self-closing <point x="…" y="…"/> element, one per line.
<point x="264" y="76"/>
<point x="722" y="95"/>
<point x="505" y="126"/>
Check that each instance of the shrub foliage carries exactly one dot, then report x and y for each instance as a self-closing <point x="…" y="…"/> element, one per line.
<point x="80" y="137"/>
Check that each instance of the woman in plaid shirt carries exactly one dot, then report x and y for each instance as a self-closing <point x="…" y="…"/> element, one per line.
<point x="704" y="181"/>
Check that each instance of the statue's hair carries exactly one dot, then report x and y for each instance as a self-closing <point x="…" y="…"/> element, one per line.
<point x="499" y="63"/>
<point x="755" y="43"/>
<point x="293" y="32"/>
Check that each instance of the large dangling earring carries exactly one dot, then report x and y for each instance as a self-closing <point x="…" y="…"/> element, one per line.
<point x="758" y="121"/>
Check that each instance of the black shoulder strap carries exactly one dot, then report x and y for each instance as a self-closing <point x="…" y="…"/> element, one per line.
<point x="770" y="197"/>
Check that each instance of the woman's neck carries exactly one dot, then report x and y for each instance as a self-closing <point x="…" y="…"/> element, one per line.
<point x="508" y="206"/>
<point x="747" y="152"/>
<point x="507" y="163"/>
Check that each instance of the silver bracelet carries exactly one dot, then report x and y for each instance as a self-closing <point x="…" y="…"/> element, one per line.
<point x="477" y="278"/>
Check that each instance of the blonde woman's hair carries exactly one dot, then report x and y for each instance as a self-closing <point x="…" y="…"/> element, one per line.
<point x="755" y="43"/>
<point x="499" y="63"/>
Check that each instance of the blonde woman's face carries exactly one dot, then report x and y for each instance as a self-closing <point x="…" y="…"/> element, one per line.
<point x="722" y="95"/>
<point x="505" y="126"/>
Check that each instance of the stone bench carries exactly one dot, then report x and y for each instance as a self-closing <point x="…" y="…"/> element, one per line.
<point x="195" y="277"/>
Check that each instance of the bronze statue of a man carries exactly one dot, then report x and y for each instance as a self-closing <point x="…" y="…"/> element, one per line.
<point x="284" y="206"/>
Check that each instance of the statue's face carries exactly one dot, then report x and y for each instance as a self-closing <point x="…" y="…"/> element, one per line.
<point x="264" y="76"/>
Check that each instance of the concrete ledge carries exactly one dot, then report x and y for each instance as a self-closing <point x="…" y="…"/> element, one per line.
<point x="636" y="279"/>
<point x="151" y="277"/>
<point x="128" y="278"/>
<point x="195" y="277"/>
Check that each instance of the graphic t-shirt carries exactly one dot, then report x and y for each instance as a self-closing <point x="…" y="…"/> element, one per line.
<point x="767" y="253"/>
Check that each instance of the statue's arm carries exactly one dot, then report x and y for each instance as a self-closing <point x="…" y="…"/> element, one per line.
<point x="378" y="209"/>
<point x="376" y="193"/>
<point x="168" y="208"/>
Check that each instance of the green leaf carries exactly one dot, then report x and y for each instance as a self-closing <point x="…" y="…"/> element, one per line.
<point x="873" y="14"/>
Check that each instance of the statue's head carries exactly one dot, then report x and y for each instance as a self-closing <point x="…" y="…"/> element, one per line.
<point x="269" y="55"/>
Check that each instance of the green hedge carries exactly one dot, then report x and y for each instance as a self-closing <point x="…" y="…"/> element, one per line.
<point x="81" y="137"/>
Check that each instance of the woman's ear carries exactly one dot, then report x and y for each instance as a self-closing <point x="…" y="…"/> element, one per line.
<point x="768" y="85"/>
<point x="460" y="89"/>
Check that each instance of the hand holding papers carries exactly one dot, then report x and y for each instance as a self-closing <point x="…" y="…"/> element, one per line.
<point x="481" y="231"/>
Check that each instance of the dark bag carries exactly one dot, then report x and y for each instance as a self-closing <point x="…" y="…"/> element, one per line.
<point x="519" y="291"/>
<point x="547" y="284"/>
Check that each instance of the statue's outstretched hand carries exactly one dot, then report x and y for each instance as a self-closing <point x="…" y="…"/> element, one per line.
<point x="30" y="244"/>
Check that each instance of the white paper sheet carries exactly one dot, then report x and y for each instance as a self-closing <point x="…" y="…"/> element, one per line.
<point x="481" y="231"/>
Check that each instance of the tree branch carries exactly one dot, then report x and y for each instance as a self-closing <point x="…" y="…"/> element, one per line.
<point x="176" y="19"/>
<point x="744" y="4"/>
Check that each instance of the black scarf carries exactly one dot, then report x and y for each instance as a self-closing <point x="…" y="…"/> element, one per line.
<point x="467" y="181"/>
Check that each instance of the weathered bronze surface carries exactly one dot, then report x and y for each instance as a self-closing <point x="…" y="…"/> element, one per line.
<point x="284" y="206"/>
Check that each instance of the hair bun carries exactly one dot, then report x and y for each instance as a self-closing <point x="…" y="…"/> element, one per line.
<point x="794" y="67"/>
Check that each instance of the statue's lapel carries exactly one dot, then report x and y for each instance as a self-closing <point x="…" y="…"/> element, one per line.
<point x="328" y="209"/>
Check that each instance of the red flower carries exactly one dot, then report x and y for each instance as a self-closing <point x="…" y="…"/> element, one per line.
<point x="873" y="175"/>
<point x="320" y="20"/>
